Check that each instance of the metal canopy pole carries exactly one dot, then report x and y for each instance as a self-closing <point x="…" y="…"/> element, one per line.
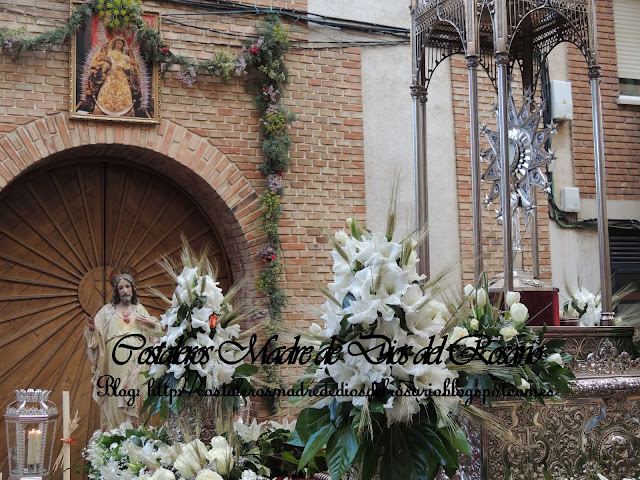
<point x="601" y="197"/>
<point x="535" y="242"/>
<point x="527" y="84"/>
<point x="473" y="62"/>
<point x="419" y="95"/>
<point x="502" y="62"/>
<point x="601" y="177"/>
<point x="501" y="44"/>
<point x="501" y="48"/>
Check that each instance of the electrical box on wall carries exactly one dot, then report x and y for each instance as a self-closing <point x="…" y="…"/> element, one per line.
<point x="570" y="199"/>
<point x="561" y="101"/>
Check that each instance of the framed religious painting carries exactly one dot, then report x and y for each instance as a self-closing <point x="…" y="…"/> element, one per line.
<point x="110" y="79"/>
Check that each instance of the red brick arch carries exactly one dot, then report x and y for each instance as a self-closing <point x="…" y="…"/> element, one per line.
<point x="203" y="170"/>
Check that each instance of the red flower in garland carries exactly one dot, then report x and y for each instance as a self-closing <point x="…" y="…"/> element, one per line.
<point x="253" y="50"/>
<point x="165" y="50"/>
<point x="213" y="321"/>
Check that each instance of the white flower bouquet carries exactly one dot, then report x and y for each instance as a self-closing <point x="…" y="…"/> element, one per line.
<point x="197" y="355"/>
<point x="147" y="454"/>
<point x="584" y="305"/>
<point x="384" y="395"/>
<point x="501" y="356"/>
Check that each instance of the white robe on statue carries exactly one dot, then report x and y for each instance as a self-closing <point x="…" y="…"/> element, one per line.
<point x="110" y="327"/>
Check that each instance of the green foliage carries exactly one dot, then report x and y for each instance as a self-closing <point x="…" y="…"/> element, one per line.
<point x="119" y="14"/>
<point x="268" y="77"/>
<point x="485" y="319"/>
<point x="274" y="72"/>
<point x="273" y="454"/>
<point x="221" y="65"/>
<point x="14" y="41"/>
<point x="108" y="446"/>
<point x="408" y="451"/>
<point x="274" y="123"/>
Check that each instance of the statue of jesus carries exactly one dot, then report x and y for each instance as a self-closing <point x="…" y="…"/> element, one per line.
<point x="123" y="315"/>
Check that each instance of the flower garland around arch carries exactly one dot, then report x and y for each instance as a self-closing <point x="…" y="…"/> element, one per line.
<point x="262" y="59"/>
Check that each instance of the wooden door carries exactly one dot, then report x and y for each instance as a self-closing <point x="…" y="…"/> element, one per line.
<point x="63" y="230"/>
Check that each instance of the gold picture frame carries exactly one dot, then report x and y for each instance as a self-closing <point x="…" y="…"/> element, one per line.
<point x="110" y="80"/>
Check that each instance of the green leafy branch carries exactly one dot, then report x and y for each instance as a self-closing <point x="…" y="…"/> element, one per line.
<point x="264" y="58"/>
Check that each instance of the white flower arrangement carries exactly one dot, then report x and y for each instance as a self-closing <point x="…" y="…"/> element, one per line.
<point x="502" y="334"/>
<point x="378" y="304"/>
<point x="376" y="292"/>
<point x="199" y="325"/>
<point x="196" y="319"/>
<point x="584" y="305"/>
<point x="251" y="432"/>
<point x="125" y="453"/>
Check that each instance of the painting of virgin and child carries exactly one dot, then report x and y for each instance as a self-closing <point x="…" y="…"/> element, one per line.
<point x="110" y="78"/>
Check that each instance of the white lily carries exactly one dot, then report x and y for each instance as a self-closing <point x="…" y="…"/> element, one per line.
<point x="555" y="358"/>
<point x="524" y="385"/>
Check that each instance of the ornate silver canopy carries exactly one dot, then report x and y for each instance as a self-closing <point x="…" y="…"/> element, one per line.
<point x="498" y="35"/>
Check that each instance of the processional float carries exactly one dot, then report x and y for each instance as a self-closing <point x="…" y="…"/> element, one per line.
<point x="595" y="429"/>
<point x="500" y="35"/>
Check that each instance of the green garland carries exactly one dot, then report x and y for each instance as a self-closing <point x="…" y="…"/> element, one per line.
<point x="270" y="78"/>
<point x="263" y="59"/>
<point x="125" y="15"/>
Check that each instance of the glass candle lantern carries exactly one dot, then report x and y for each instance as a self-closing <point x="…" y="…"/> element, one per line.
<point x="31" y="429"/>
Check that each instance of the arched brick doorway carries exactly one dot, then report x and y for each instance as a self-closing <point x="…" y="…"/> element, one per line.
<point x="66" y="221"/>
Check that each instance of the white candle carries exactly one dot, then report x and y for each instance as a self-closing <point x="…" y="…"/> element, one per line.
<point x="34" y="441"/>
<point x="66" y="433"/>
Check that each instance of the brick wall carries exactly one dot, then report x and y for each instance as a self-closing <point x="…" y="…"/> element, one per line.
<point x="324" y="186"/>
<point x="621" y="122"/>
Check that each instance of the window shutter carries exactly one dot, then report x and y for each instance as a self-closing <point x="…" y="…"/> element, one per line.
<point x="625" y="249"/>
<point x="626" y="15"/>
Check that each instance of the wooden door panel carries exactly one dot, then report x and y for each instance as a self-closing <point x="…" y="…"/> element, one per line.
<point x="62" y="232"/>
